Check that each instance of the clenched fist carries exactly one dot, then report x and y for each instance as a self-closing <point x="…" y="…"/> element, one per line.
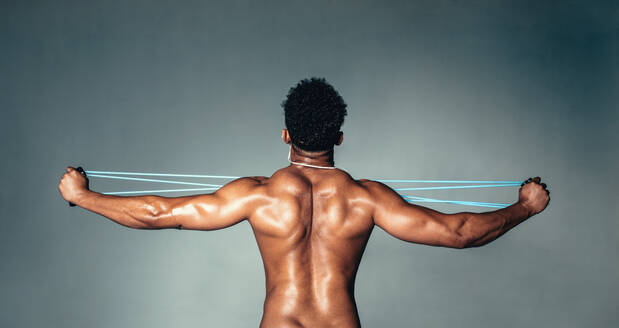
<point x="533" y="195"/>
<point x="72" y="185"/>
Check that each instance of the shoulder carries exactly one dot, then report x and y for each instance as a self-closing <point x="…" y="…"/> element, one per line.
<point x="254" y="180"/>
<point x="380" y="192"/>
<point x="242" y="185"/>
<point x="372" y="185"/>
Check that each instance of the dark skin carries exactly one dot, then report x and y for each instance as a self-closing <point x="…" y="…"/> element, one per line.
<point x="311" y="226"/>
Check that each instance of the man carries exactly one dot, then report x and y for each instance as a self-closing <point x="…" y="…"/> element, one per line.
<point x="311" y="220"/>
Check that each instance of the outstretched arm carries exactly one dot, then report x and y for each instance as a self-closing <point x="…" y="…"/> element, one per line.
<point x="227" y="206"/>
<point x="422" y="225"/>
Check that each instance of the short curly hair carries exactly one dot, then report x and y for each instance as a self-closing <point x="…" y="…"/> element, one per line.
<point x="314" y="113"/>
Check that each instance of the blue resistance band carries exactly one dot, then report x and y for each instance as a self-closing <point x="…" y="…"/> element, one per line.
<point x="157" y="191"/>
<point x="415" y="199"/>
<point x="151" y="180"/>
<point x="212" y="187"/>
<point x="458" y="187"/>
<point x="163" y="175"/>
<point x="447" y="181"/>
<point x="236" y="177"/>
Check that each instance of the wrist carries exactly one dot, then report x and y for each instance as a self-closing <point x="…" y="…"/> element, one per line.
<point x="526" y="209"/>
<point x="80" y="196"/>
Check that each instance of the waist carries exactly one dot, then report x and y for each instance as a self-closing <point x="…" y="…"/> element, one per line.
<point x="299" y="285"/>
<point x="331" y="306"/>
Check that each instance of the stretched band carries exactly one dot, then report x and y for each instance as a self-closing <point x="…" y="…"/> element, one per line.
<point x="157" y="191"/>
<point x="236" y="177"/>
<point x="458" y="187"/>
<point x="415" y="199"/>
<point x="165" y="175"/>
<point x="212" y="187"/>
<point x="153" y="180"/>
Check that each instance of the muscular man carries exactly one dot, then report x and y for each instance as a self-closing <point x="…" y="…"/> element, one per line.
<point x="311" y="221"/>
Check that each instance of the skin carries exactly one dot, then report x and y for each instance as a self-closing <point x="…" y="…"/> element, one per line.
<point x="311" y="226"/>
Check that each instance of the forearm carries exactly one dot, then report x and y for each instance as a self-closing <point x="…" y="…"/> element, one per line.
<point x="139" y="212"/>
<point x="478" y="229"/>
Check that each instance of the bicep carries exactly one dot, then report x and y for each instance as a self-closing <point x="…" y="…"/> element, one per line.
<point x="414" y="223"/>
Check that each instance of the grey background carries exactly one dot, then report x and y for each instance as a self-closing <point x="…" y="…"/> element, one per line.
<point x="436" y="90"/>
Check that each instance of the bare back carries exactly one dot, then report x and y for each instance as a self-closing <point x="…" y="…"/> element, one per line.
<point x="312" y="226"/>
<point x="311" y="232"/>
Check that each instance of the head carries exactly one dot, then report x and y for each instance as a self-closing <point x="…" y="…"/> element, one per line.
<point x="314" y="113"/>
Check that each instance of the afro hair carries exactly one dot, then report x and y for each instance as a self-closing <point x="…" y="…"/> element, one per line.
<point x="314" y="113"/>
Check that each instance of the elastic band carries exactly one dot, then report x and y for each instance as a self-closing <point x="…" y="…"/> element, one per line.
<point x="236" y="177"/>
<point x="211" y="187"/>
<point x="457" y="187"/>
<point x="156" y="191"/>
<point x="447" y="181"/>
<point x="458" y="202"/>
<point x="163" y="174"/>
<point x="153" y="180"/>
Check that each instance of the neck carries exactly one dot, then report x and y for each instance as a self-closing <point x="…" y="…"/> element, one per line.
<point x="323" y="159"/>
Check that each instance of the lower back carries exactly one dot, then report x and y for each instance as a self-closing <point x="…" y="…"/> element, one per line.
<point x="282" y="308"/>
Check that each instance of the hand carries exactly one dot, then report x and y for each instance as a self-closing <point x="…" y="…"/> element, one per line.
<point x="533" y="195"/>
<point x="72" y="185"/>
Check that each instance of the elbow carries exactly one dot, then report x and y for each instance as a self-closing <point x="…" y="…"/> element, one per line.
<point x="151" y="220"/>
<point x="466" y="243"/>
<point x="470" y="241"/>
<point x="151" y="215"/>
<point x="461" y="234"/>
<point x="469" y="233"/>
<point x="462" y="243"/>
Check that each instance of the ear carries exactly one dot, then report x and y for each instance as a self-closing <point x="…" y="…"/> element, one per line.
<point x="340" y="138"/>
<point x="286" y="136"/>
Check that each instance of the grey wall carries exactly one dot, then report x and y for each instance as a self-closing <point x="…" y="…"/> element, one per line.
<point x="436" y="90"/>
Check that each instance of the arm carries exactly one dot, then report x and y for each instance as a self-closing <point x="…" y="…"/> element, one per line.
<point x="418" y="224"/>
<point x="227" y="206"/>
